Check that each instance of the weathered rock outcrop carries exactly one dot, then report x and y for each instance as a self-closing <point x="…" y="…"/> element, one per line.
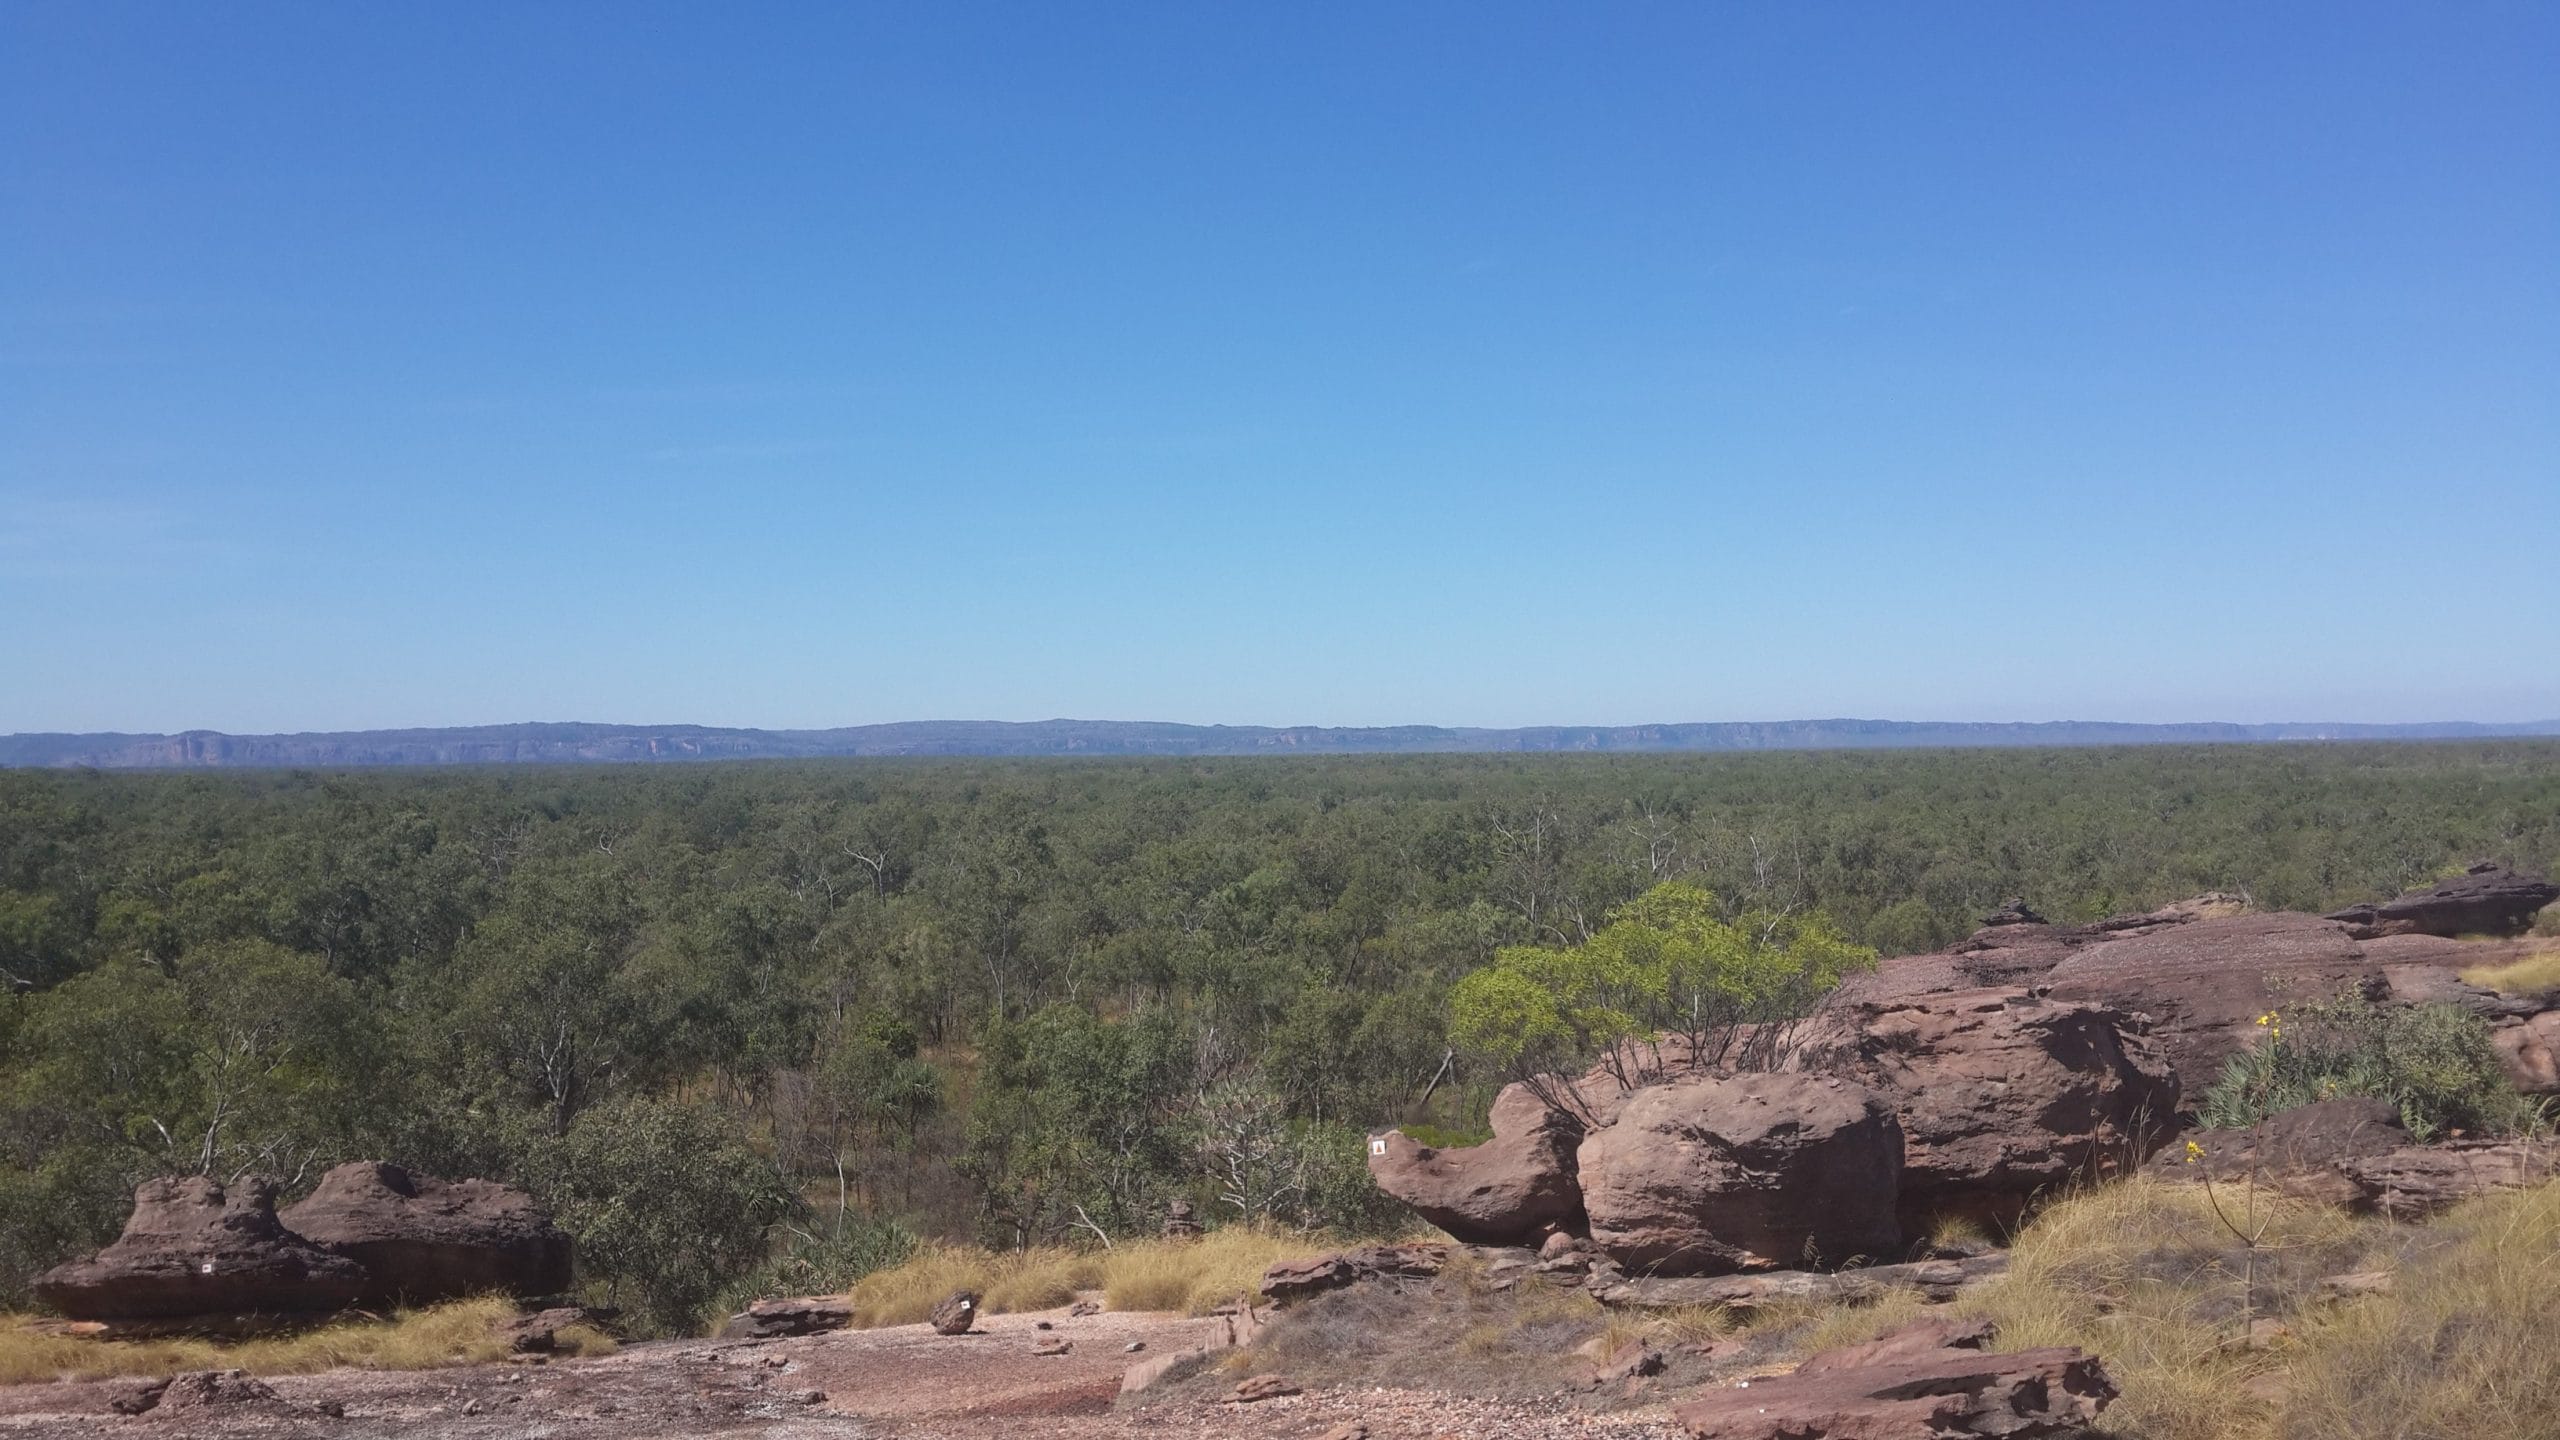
<point x="2442" y="984"/>
<point x="423" y="1240"/>
<point x="794" y="1315"/>
<point x="1919" y="1340"/>
<point x="1510" y="1190"/>
<point x="1935" y="1281"/>
<point x="2530" y="1051"/>
<point x="1906" y="1387"/>
<point x="195" y="1247"/>
<point x="2487" y="899"/>
<point x="540" y="1332"/>
<point x="1709" y="1175"/>
<point x="2205" y="984"/>
<point x="2297" y="1151"/>
<point x="2002" y="1095"/>
<point x="1297" y="1279"/>
<point x="2014" y="949"/>
<point x="2203" y="971"/>
<point x="2419" y="1180"/>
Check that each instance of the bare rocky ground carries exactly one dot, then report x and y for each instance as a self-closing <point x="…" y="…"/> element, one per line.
<point x="900" y="1381"/>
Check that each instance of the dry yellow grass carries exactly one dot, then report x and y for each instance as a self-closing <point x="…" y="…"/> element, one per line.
<point x="1033" y="1279"/>
<point x="2147" y="1277"/>
<point x="2537" y="974"/>
<point x="1192" y="1276"/>
<point x="462" y="1333"/>
<point x="1186" y="1275"/>
<point x="2461" y="1346"/>
<point x="2150" y="1278"/>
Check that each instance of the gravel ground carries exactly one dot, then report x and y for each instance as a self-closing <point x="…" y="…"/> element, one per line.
<point x="902" y="1381"/>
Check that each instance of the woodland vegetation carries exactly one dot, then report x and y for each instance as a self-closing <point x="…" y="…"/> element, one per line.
<point x="769" y="1025"/>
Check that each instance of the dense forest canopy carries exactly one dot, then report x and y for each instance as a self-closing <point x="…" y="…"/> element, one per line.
<point x="1015" y="999"/>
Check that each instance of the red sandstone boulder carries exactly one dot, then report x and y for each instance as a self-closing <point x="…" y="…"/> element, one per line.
<point x="2419" y="1180"/>
<point x="2002" y="1095"/>
<point x="2487" y="899"/>
<point x="195" y="1247"/>
<point x="2530" y="1051"/>
<point x="1920" y="1340"/>
<point x="794" y="1315"/>
<point x="2205" y="984"/>
<point x="2014" y="947"/>
<point x="2203" y="974"/>
<point x="539" y="1332"/>
<point x="1883" y="1391"/>
<point x="423" y="1239"/>
<point x="1297" y="1279"/>
<point x="2298" y="1152"/>
<point x="1714" y="1174"/>
<point x="1510" y="1190"/>
<point x="955" y="1313"/>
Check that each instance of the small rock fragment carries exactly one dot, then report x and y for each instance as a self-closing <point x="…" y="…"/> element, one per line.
<point x="1262" y="1387"/>
<point x="2356" y="1285"/>
<point x="139" y="1397"/>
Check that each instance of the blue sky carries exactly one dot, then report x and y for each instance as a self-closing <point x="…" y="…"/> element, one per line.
<point x="368" y="365"/>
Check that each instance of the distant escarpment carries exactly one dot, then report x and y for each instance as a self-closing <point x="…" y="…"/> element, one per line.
<point x="576" y="743"/>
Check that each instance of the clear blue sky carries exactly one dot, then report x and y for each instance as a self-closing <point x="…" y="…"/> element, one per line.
<point x="369" y="364"/>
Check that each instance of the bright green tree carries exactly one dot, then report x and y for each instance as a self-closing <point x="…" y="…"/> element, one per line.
<point x="668" y="1203"/>
<point x="1668" y="983"/>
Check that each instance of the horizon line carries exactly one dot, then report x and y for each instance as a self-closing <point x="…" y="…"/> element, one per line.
<point x="597" y="742"/>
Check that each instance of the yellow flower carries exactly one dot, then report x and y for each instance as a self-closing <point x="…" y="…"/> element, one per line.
<point x="2195" y="1152"/>
<point x="2267" y="1019"/>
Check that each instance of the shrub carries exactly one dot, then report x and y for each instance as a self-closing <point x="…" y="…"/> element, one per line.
<point x="74" y="1200"/>
<point x="829" y="1261"/>
<point x="2434" y="1063"/>
<point x="1666" y="981"/>
<point x="669" y="1207"/>
<point x="1341" y="1197"/>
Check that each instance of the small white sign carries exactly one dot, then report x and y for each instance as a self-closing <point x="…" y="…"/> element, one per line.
<point x="1377" y="1145"/>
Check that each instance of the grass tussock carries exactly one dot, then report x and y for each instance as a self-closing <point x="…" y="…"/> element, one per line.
<point x="1186" y="1275"/>
<point x="1033" y="1279"/>
<point x="1192" y="1276"/>
<point x="464" y="1332"/>
<point x="2461" y="1347"/>
<point x="2153" y="1278"/>
<point x="2533" y="976"/>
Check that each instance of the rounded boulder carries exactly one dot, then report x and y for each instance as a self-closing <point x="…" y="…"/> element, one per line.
<point x="423" y="1239"/>
<point x="1714" y="1174"/>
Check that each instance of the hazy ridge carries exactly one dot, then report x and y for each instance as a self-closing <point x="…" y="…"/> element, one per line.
<point x="579" y="743"/>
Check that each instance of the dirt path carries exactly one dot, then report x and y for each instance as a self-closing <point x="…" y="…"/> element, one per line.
<point x="855" y="1385"/>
